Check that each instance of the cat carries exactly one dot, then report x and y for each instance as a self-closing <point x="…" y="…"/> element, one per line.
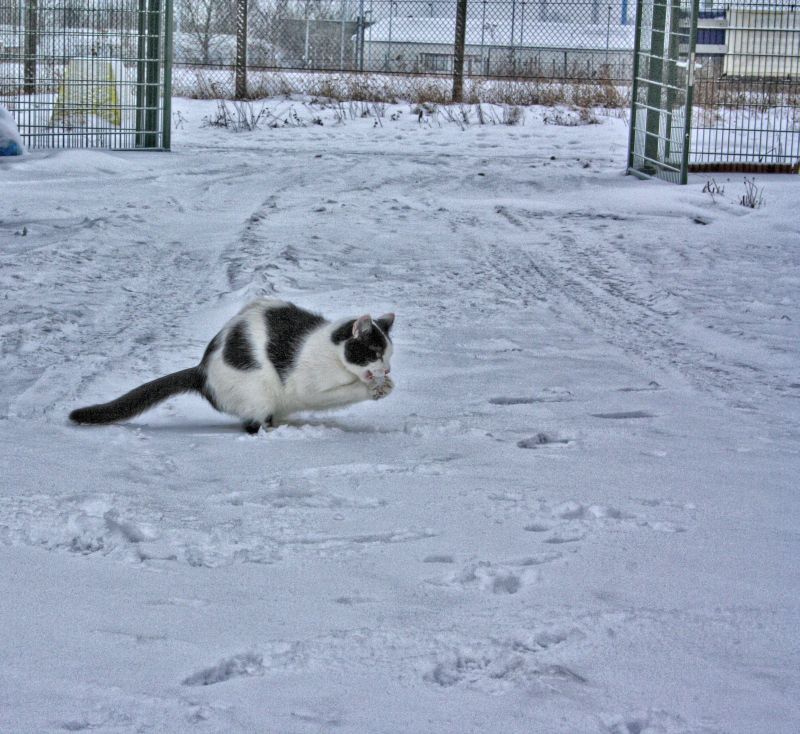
<point x="270" y="360"/>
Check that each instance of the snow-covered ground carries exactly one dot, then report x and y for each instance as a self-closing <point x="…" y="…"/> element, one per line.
<point x="578" y="511"/>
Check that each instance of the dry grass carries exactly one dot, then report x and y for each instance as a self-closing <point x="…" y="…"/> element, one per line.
<point x="338" y="86"/>
<point x="572" y="117"/>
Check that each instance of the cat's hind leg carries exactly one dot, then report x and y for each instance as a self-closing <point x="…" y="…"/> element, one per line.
<point x="253" y="427"/>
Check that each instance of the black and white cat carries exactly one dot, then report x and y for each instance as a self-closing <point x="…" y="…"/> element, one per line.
<point x="270" y="360"/>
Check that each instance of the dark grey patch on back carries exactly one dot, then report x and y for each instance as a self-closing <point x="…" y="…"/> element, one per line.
<point x="238" y="351"/>
<point x="288" y="328"/>
<point x="624" y="414"/>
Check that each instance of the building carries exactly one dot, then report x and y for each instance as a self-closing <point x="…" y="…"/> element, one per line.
<point x="517" y="44"/>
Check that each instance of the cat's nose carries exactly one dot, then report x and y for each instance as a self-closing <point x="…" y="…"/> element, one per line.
<point x="387" y="370"/>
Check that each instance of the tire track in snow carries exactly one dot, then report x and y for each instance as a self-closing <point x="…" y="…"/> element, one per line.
<point x="597" y="283"/>
<point x="112" y="296"/>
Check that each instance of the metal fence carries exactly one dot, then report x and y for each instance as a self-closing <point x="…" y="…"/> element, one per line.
<point x="715" y="89"/>
<point x="746" y="97"/>
<point x="295" y="40"/>
<point x="94" y="73"/>
<point x="715" y="85"/>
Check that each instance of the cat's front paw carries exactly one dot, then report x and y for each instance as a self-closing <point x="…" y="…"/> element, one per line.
<point x="378" y="390"/>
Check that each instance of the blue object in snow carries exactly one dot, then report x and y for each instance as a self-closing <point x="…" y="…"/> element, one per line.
<point x="10" y="148"/>
<point x="10" y="140"/>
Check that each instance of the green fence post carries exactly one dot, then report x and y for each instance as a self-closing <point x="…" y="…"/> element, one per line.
<point x="166" y="119"/>
<point x="655" y="81"/>
<point x="141" y="49"/>
<point x="687" y="130"/>
<point x="635" y="88"/>
<point x="672" y="73"/>
<point x="147" y="81"/>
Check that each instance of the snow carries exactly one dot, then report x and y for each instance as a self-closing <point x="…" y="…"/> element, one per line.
<point x="577" y="512"/>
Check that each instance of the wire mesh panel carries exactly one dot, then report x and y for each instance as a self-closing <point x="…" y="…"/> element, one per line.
<point x="716" y="87"/>
<point x="664" y="63"/>
<point x="747" y="91"/>
<point x="87" y="73"/>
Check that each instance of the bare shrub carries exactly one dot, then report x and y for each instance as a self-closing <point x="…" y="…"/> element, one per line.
<point x="598" y="94"/>
<point x="513" y="115"/>
<point x="570" y="117"/>
<point x="430" y="91"/>
<point x="528" y="92"/>
<point x="375" y="87"/>
<point x="244" y="116"/>
<point x="753" y="197"/>
<point x="713" y="189"/>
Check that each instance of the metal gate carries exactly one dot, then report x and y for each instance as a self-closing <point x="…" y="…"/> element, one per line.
<point x="663" y="76"/>
<point x="87" y="74"/>
<point x="747" y="87"/>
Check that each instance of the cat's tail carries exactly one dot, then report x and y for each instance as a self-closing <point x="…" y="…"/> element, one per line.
<point x="143" y="397"/>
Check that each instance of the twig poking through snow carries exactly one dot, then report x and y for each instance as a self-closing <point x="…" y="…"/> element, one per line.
<point x="753" y="197"/>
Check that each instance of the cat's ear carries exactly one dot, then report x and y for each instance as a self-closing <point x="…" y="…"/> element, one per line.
<point x="385" y="322"/>
<point x="362" y="326"/>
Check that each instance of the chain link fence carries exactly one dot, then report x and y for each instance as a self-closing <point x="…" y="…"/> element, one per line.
<point x="395" y="48"/>
<point x="96" y="73"/>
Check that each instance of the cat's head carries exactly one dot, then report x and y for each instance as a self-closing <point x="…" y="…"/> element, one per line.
<point x="365" y="346"/>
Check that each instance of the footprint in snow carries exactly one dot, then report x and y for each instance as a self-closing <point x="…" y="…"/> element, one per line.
<point x="646" y="722"/>
<point x="278" y="656"/>
<point x="438" y="559"/>
<point x="248" y="665"/>
<point x="509" y="577"/>
<point x="549" y="395"/>
<point x="542" y="439"/>
<point x="501" y="666"/>
<point x="651" y="387"/>
<point x="570" y="521"/>
<point x="624" y="415"/>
